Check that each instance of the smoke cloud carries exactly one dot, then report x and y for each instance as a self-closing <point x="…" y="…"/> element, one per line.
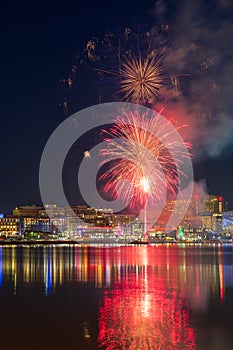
<point x="199" y="62"/>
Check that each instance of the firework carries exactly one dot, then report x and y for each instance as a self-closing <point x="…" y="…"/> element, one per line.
<point x="141" y="158"/>
<point x="87" y="154"/>
<point x="141" y="78"/>
<point x="101" y="70"/>
<point x="139" y="65"/>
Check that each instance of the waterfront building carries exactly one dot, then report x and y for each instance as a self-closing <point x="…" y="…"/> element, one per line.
<point x="211" y="221"/>
<point x="52" y="211"/>
<point x="32" y="211"/>
<point x="204" y="213"/>
<point x="227" y="222"/>
<point x="96" y="232"/>
<point x="137" y="227"/>
<point x="211" y="204"/>
<point x="78" y="210"/>
<point x="38" y="225"/>
<point x="10" y="226"/>
<point x="121" y="219"/>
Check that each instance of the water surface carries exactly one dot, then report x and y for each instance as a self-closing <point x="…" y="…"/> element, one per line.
<point x="112" y="297"/>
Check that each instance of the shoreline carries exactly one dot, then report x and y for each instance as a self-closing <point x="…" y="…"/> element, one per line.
<point x="100" y="242"/>
<point x="38" y="242"/>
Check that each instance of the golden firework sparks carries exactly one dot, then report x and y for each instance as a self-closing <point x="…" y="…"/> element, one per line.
<point x="141" y="78"/>
<point x="87" y="154"/>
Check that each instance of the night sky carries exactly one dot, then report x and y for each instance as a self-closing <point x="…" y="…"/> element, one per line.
<point x="39" y="44"/>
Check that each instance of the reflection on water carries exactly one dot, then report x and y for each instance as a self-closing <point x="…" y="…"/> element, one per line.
<point x="148" y="293"/>
<point x="142" y="313"/>
<point x="0" y="266"/>
<point x="36" y="265"/>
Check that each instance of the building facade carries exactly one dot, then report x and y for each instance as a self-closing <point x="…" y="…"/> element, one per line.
<point x="10" y="226"/>
<point x="32" y="211"/>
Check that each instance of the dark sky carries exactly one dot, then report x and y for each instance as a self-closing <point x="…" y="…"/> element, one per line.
<point x="37" y="44"/>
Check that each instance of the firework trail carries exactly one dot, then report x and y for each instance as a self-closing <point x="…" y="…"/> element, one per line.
<point x="142" y="159"/>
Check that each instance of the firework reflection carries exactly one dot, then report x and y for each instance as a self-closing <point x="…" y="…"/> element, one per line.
<point x="141" y="313"/>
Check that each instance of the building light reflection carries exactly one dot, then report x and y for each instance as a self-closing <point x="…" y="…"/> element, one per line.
<point x="52" y="266"/>
<point x="48" y="275"/>
<point x="0" y="266"/>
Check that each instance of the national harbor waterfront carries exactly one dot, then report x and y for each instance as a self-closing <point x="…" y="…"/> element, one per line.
<point x="116" y="196"/>
<point x="207" y="220"/>
<point x="105" y="284"/>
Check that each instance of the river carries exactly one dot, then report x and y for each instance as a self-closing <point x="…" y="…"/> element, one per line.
<point x="166" y="296"/>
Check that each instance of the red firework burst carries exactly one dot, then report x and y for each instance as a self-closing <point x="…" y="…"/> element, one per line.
<point x="142" y="150"/>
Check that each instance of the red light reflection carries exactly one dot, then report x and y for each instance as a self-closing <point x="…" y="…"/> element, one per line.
<point x="142" y="312"/>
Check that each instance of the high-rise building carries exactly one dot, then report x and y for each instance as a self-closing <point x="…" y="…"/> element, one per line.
<point x="210" y="204"/>
<point x="203" y="213"/>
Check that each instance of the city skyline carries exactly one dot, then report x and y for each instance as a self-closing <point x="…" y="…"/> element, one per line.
<point x="207" y="218"/>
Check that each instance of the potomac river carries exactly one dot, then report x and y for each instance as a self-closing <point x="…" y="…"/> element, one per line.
<point x="165" y="296"/>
